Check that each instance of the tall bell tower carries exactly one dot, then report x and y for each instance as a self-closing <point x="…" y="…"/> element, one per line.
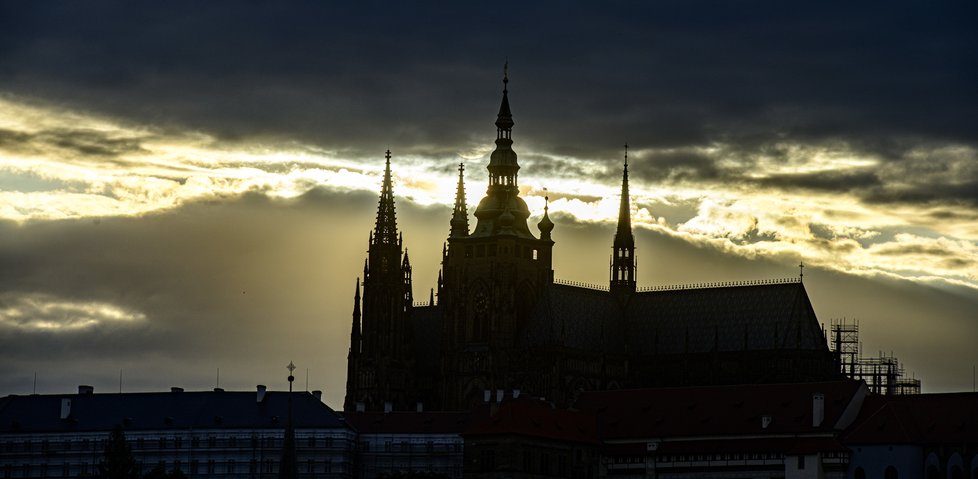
<point x="491" y="279"/>
<point x="381" y="364"/>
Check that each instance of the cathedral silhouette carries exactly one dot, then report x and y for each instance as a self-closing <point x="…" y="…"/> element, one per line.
<point x="502" y="326"/>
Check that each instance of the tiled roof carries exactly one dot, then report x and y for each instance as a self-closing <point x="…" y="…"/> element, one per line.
<point x="164" y="410"/>
<point x="694" y="320"/>
<point x="399" y="422"/>
<point x="578" y="318"/>
<point x="737" y="318"/>
<point x="532" y="417"/>
<point x="717" y="410"/>
<point x="917" y="419"/>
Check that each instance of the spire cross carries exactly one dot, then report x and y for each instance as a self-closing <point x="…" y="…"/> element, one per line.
<point x="388" y="155"/>
<point x="801" y="270"/>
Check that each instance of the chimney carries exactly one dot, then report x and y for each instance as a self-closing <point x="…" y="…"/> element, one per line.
<point x="175" y="389"/>
<point x="261" y="392"/>
<point x="499" y="395"/>
<point x="318" y="395"/>
<point x="65" y="408"/>
<point x="388" y="407"/>
<point x="86" y="389"/>
<point x="487" y="395"/>
<point x="419" y="407"/>
<point x="818" y="409"/>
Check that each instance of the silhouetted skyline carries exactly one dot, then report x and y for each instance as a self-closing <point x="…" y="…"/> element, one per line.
<point x="189" y="187"/>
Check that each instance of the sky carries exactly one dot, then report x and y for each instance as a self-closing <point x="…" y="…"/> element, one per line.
<point x="187" y="188"/>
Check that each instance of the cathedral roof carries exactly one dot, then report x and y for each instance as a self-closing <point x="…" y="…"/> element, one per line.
<point x="694" y="320"/>
<point x="578" y="318"/>
<point x="731" y="318"/>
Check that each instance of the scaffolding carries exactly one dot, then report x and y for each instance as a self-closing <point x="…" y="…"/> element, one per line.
<point x="883" y="374"/>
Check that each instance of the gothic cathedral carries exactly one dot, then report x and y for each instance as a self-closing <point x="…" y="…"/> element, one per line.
<point x="502" y="326"/>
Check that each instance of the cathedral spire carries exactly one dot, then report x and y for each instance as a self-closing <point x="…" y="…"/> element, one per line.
<point x="355" y="331"/>
<point x="385" y="231"/>
<point x="503" y="167"/>
<point x="502" y="211"/>
<point x="623" y="248"/>
<point x="460" y="218"/>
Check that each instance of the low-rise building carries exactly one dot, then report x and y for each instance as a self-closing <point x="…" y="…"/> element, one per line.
<point x="409" y="443"/>
<point x="202" y="434"/>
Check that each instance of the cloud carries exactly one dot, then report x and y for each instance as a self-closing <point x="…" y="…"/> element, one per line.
<point x="49" y="313"/>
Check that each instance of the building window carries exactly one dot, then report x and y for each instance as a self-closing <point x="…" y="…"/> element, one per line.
<point x="801" y="462"/>
<point x="178" y="442"/>
<point x="231" y="465"/>
<point x="194" y="467"/>
<point x="312" y="442"/>
<point x="310" y="466"/>
<point x="178" y="465"/>
<point x="487" y="460"/>
<point x="527" y="460"/>
<point x="210" y="466"/>
<point x="253" y="466"/>
<point x="890" y="473"/>
<point x="162" y="443"/>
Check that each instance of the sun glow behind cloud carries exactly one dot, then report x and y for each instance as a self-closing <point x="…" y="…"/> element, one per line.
<point x="58" y="164"/>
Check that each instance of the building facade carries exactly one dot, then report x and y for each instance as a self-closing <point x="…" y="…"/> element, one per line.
<point x="501" y="322"/>
<point x="202" y="434"/>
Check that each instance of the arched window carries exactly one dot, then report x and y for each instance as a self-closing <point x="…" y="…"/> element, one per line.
<point x="890" y="473"/>
<point x="859" y="474"/>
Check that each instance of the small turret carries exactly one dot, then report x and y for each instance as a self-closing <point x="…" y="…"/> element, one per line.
<point x="545" y="225"/>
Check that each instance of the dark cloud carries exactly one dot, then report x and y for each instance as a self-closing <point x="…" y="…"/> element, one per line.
<point x="674" y="166"/>
<point x="833" y="181"/>
<point x="585" y="78"/>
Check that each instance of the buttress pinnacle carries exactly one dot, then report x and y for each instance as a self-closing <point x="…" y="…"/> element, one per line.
<point x="460" y="217"/>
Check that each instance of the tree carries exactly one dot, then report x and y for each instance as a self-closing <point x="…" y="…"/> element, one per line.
<point x="118" y="462"/>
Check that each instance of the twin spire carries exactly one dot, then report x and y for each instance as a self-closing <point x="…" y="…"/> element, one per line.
<point x="385" y="231"/>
